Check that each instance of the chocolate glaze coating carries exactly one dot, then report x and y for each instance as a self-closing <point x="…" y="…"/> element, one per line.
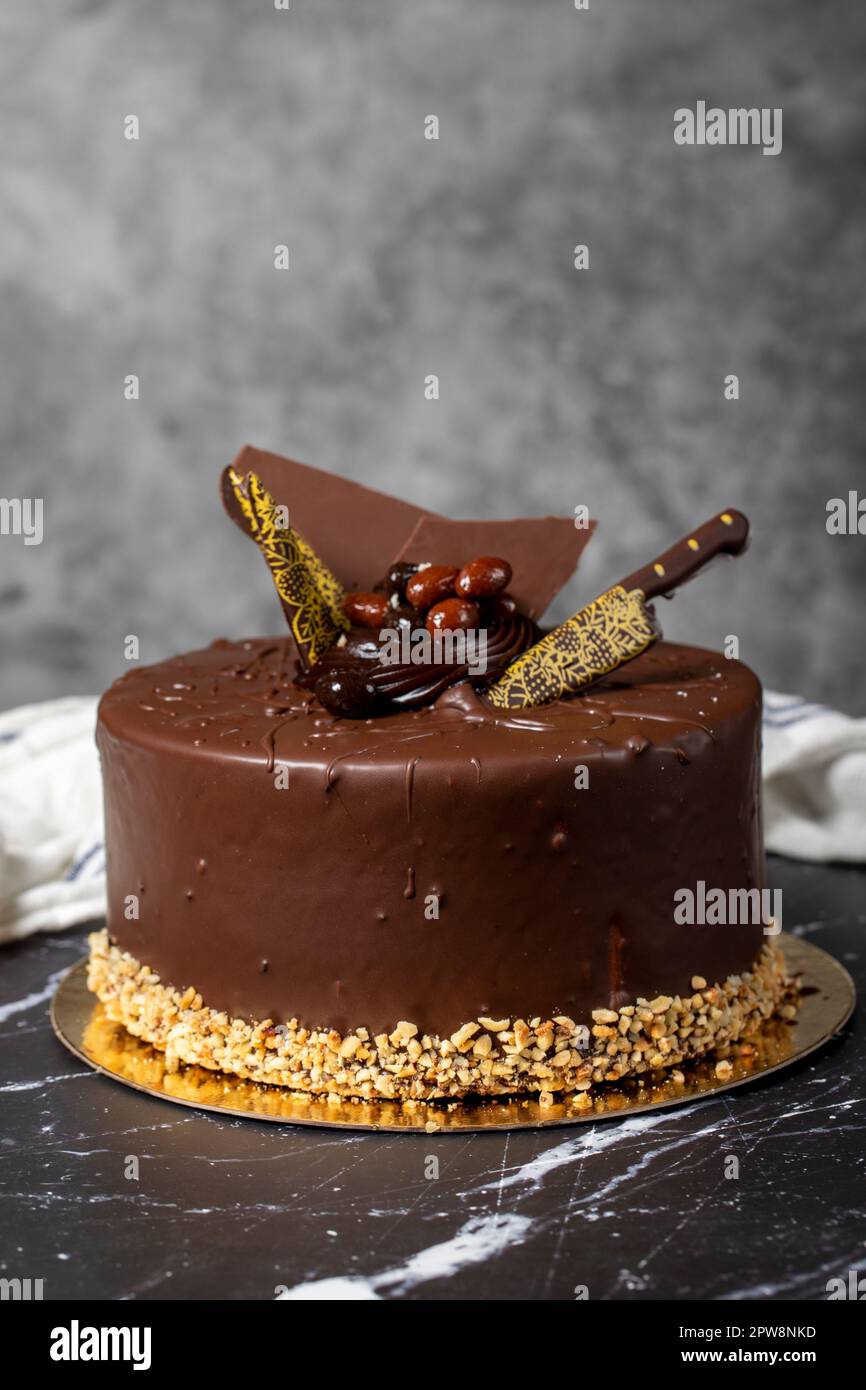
<point x="409" y="687"/>
<point x="309" y="901"/>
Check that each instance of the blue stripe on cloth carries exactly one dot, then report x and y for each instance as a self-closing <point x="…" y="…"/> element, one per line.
<point x="784" y="718"/>
<point x="74" y="870"/>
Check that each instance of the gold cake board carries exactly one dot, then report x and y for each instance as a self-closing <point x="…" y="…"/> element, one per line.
<point x="826" y="1005"/>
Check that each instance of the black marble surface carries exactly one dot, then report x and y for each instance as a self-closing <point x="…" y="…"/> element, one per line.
<point x="633" y="1209"/>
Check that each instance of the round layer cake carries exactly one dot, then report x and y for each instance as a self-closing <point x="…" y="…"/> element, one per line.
<point x="437" y="902"/>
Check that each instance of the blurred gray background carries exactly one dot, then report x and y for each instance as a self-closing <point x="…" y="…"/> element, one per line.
<point x="411" y="257"/>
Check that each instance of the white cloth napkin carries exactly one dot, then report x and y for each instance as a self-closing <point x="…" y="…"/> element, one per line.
<point x="814" y="780"/>
<point x="52" y="861"/>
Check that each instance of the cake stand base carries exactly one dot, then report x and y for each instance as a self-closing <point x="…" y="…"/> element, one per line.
<point x="826" y="1004"/>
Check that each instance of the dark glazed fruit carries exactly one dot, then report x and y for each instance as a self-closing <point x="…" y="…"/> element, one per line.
<point x="503" y="606"/>
<point x="347" y="693"/>
<point x="398" y="577"/>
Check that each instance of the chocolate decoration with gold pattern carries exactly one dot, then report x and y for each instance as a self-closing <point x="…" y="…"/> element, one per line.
<point x="610" y="631"/>
<point x="617" y="626"/>
<point x="310" y="596"/>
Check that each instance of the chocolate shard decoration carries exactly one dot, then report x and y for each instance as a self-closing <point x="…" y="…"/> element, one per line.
<point x="616" y="627"/>
<point x="542" y="551"/>
<point x="357" y="531"/>
<point x="609" y="631"/>
<point x="354" y="529"/>
<point x="310" y="595"/>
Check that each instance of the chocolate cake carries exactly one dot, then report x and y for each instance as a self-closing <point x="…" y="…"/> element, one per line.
<point x="372" y="880"/>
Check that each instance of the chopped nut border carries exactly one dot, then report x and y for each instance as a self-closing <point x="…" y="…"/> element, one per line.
<point x="484" y="1057"/>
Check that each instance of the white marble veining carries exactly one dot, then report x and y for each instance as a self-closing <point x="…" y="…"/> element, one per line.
<point x="480" y="1239"/>
<point x="632" y="1208"/>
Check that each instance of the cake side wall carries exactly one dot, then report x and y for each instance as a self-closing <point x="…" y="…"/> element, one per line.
<point x="315" y="901"/>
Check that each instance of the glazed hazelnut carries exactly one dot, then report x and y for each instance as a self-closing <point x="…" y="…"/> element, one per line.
<point x="366" y="610"/>
<point x="453" y="614"/>
<point x="484" y="577"/>
<point x="504" y="605"/>
<point x="428" y="586"/>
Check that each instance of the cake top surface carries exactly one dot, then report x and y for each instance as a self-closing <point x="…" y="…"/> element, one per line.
<point x="239" y="700"/>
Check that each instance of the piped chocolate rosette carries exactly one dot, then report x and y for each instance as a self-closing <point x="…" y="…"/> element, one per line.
<point x="453" y="624"/>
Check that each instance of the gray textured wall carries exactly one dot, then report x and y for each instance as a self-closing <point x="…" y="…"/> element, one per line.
<point x="411" y="257"/>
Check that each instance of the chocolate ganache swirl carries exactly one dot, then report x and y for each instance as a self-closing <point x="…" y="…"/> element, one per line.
<point x="411" y="685"/>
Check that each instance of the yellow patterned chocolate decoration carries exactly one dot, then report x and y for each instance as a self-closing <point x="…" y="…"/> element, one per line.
<point x="311" y="596"/>
<point x="607" y="632"/>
